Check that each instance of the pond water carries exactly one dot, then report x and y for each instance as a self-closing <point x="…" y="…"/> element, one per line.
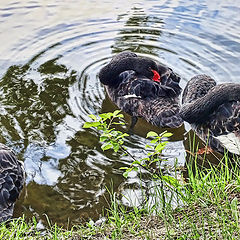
<point x="50" y="55"/>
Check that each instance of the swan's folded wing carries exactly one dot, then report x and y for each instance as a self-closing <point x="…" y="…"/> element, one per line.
<point x="146" y="88"/>
<point x="172" y="82"/>
<point x="225" y="126"/>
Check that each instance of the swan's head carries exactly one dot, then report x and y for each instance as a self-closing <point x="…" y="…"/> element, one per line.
<point x="147" y="67"/>
<point x="125" y="61"/>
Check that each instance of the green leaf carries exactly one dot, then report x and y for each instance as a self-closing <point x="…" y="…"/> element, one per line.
<point x="106" y="146"/>
<point x="87" y="124"/>
<point x="125" y="174"/>
<point x="167" y="134"/>
<point x="118" y="123"/>
<point x="116" y="112"/>
<point x="155" y="160"/>
<point x="93" y="117"/>
<point x="103" y="138"/>
<point x="109" y="130"/>
<point x="105" y="116"/>
<point x="120" y="116"/>
<point x="105" y="135"/>
<point x="152" y="134"/>
<point x="96" y="124"/>
<point x="115" y="147"/>
<point x="135" y="169"/>
<point x="124" y="168"/>
<point x="136" y="162"/>
<point x="148" y="146"/>
<point x="171" y="180"/>
<point x="128" y="170"/>
<point x="154" y="140"/>
<point x="155" y="176"/>
<point x="122" y="136"/>
<point x="100" y="127"/>
<point x="120" y="142"/>
<point x="114" y="132"/>
<point x="109" y="114"/>
<point x="159" y="147"/>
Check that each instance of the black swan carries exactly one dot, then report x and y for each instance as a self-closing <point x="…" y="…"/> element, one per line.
<point x="11" y="181"/>
<point x="213" y="112"/>
<point x="143" y="88"/>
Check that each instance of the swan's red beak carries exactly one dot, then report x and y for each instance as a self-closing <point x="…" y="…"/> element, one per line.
<point x="156" y="76"/>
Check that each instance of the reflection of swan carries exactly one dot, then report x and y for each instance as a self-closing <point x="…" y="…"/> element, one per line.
<point x="11" y="181"/>
<point x="214" y="112"/>
<point x="143" y="88"/>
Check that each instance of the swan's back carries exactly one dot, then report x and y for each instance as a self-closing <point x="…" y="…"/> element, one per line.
<point x="214" y="112"/>
<point x="11" y="181"/>
<point x="141" y="97"/>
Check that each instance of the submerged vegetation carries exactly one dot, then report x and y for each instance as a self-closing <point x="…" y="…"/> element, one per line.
<point x="203" y="205"/>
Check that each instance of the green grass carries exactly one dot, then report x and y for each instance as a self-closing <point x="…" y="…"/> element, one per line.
<point x="210" y="208"/>
<point x="22" y="229"/>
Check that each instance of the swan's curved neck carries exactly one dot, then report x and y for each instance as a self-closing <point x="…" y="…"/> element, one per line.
<point x="109" y="74"/>
<point x="201" y="108"/>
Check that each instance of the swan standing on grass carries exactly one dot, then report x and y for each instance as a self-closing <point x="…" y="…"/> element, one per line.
<point x="213" y="112"/>
<point x="11" y="181"/>
<point x="143" y="88"/>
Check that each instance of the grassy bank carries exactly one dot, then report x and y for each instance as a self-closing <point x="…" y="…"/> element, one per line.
<point x="202" y="205"/>
<point x="210" y="210"/>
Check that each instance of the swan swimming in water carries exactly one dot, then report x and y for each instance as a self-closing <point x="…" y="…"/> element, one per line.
<point x="213" y="112"/>
<point x="143" y="88"/>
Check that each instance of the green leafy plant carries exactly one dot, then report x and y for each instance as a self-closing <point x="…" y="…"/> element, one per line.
<point x="153" y="155"/>
<point x="114" y="139"/>
<point x="111" y="138"/>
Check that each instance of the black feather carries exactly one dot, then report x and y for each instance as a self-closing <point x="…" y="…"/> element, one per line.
<point x="213" y="110"/>
<point x="11" y="181"/>
<point x="129" y="84"/>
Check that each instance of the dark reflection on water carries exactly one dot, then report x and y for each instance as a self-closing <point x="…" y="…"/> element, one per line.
<point x="49" y="60"/>
<point x="139" y="34"/>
